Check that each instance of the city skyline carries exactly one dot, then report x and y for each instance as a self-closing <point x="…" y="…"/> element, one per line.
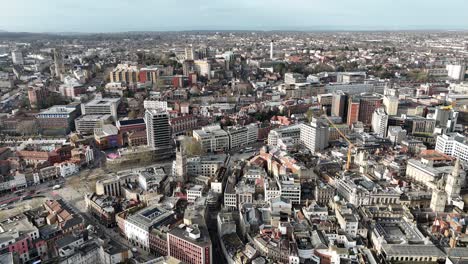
<point x="123" y="15"/>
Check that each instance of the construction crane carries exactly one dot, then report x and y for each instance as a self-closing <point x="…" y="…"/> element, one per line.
<point x="350" y="145"/>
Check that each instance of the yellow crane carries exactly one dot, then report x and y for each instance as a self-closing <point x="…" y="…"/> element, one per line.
<point x="350" y="145"/>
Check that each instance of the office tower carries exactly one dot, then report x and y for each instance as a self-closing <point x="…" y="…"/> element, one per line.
<point x="181" y="162"/>
<point x="188" y="66"/>
<point x="58" y="62"/>
<point x="391" y="104"/>
<point x="314" y="136"/>
<point x="353" y="110"/>
<point x="340" y="105"/>
<point x="380" y="122"/>
<point x="158" y="129"/>
<point x="456" y="72"/>
<point x="3" y="50"/>
<point x="367" y="105"/>
<point x="445" y="117"/>
<point x="454" y="181"/>
<point x="203" y="68"/>
<point x="17" y="57"/>
<point x="190" y="53"/>
<point x="271" y="49"/>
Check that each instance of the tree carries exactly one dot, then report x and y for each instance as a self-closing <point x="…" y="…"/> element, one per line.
<point x="132" y="114"/>
<point x="310" y="115"/>
<point x="192" y="147"/>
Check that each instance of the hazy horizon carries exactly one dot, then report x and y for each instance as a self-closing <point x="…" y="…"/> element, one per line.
<point x="107" y="16"/>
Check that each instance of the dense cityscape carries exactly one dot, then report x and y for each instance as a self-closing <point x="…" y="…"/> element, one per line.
<point x="258" y="147"/>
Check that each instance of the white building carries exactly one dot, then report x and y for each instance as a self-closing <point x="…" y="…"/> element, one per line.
<point x="155" y="104"/>
<point x="67" y="169"/>
<point x="292" y="78"/>
<point x="17" y="57"/>
<point x="396" y="134"/>
<point x="380" y="122"/>
<point x="138" y="225"/>
<point x="101" y="106"/>
<point x="206" y="165"/>
<point x="203" y="68"/>
<point x="391" y="104"/>
<point x="293" y="132"/>
<point x="194" y="192"/>
<point x="456" y="72"/>
<point x="212" y="138"/>
<point x="453" y="144"/>
<point x="315" y="136"/>
<point x="252" y="133"/>
<point x="237" y="137"/>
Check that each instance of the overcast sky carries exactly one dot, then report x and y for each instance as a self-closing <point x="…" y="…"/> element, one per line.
<point x="155" y="15"/>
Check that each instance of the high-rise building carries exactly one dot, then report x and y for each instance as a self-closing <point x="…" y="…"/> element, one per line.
<point x="37" y="95"/>
<point x="188" y="66"/>
<point x="446" y="118"/>
<point x="158" y="129"/>
<point x="203" y="68"/>
<point x="380" y="122"/>
<point x="367" y="105"/>
<point x="391" y="104"/>
<point x="353" y="111"/>
<point x="315" y="135"/>
<point x="58" y="63"/>
<point x="190" y="244"/>
<point x="190" y="53"/>
<point x="17" y="57"/>
<point x="340" y="105"/>
<point x="456" y="72"/>
<point x="271" y="49"/>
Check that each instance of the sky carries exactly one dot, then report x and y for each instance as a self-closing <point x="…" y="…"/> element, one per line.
<point x="174" y="15"/>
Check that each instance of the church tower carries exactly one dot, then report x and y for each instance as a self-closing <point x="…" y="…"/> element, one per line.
<point x="439" y="197"/>
<point x="453" y="186"/>
<point x="181" y="163"/>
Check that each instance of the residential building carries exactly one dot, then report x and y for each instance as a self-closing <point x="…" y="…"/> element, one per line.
<point x="380" y="122"/>
<point x="125" y="73"/>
